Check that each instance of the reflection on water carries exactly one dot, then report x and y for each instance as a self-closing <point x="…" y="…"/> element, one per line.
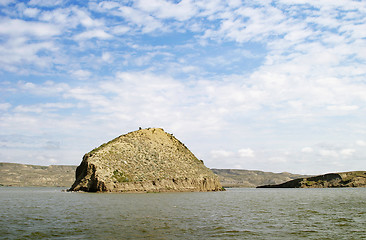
<point x="36" y="213"/>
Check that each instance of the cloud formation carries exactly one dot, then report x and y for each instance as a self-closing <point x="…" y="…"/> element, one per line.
<point x="269" y="85"/>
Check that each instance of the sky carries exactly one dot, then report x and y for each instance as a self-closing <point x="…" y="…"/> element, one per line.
<point x="265" y="85"/>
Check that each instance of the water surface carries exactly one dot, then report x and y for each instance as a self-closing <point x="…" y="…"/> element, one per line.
<point x="48" y="213"/>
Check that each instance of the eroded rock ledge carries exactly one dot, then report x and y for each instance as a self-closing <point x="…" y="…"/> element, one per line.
<point x="147" y="160"/>
<point x="330" y="180"/>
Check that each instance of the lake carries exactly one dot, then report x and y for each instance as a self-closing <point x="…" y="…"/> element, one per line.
<point x="49" y="213"/>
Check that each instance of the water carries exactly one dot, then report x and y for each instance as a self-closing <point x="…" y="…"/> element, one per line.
<point x="48" y="213"/>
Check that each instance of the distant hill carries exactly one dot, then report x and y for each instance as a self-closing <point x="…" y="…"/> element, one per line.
<point x="330" y="180"/>
<point x="252" y="178"/>
<point x="22" y="175"/>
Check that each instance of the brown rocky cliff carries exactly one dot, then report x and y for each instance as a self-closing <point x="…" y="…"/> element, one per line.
<point x="147" y="160"/>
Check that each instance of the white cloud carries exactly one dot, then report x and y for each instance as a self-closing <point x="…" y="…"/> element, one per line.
<point x="234" y="3"/>
<point x="143" y="20"/>
<point x="81" y="74"/>
<point x="109" y="5"/>
<point x="19" y="52"/>
<point x="27" y="43"/>
<point x="42" y="108"/>
<point x="182" y="11"/>
<point x="277" y="160"/>
<point x="361" y="143"/>
<point x="65" y="17"/>
<point x="249" y="24"/>
<point x="4" y="106"/>
<point x="20" y="122"/>
<point x="120" y="30"/>
<point x="31" y="12"/>
<point x="69" y="19"/>
<point x="140" y="20"/>
<point x="85" y="20"/>
<point x="210" y="8"/>
<point x="107" y="57"/>
<point x="18" y="141"/>
<point x="328" y="153"/>
<point x="95" y="33"/>
<point x="48" y="88"/>
<point x="25" y="109"/>
<point x="45" y="3"/>
<point x="221" y="154"/>
<point x="246" y="153"/>
<point x="17" y="27"/>
<point x="347" y="152"/>
<point x="92" y="97"/>
<point x="343" y="108"/>
<point x="307" y="150"/>
<point x="6" y="2"/>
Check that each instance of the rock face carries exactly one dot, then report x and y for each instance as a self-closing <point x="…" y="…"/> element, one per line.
<point x="147" y="160"/>
<point x="330" y="180"/>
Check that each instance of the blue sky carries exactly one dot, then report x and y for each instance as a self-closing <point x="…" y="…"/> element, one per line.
<point x="267" y="85"/>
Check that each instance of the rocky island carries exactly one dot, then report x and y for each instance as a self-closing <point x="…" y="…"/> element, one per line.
<point x="330" y="180"/>
<point x="147" y="160"/>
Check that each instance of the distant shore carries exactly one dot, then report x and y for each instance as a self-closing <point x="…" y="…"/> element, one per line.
<point x="23" y="175"/>
<point x="330" y="180"/>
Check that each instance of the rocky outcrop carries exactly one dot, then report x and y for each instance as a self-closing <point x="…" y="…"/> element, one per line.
<point x="147" y="160"/>
<point x="330" y="180"/>
<point x="251" y="178"/>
